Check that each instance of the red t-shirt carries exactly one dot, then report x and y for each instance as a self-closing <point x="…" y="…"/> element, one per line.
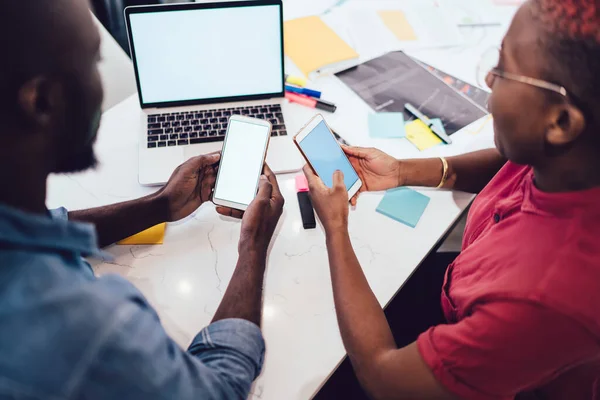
<point x="522" y="300"/>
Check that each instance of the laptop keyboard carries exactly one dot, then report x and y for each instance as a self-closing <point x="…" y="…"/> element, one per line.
<point x="197" y="127"/>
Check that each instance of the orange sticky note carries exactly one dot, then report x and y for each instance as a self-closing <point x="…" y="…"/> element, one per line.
<point x="397" y="23"/>
<point x="312" y="45"/>
<point x="154" y="235"/>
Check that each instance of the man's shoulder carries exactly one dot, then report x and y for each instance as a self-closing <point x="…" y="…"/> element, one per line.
<point x="62" y="287"/>
<point x="36" y="276"/>
<point x="58" y="316"/>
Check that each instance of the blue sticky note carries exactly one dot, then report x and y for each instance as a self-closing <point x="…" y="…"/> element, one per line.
<point x="403" y="205"/>
<point x="386" y="125"/>
<point x="438" y="124"/>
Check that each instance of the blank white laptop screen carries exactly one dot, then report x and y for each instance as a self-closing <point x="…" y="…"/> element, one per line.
<point x="208" y="53"/>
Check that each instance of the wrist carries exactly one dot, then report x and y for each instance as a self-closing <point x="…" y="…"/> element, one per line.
<point x="402" y="173"/>
<point x="425" y="172"/>
<point x="159" y="203"/>
<point x="253" y="249"/>
<point x="333" y="227"/>
<point x="336" y="235"/>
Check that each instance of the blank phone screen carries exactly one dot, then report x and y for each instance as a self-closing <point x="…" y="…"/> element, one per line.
<point x="241" y="162"/>
<point x="326" y="156"/>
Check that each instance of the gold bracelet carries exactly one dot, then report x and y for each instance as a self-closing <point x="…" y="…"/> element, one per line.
<point x="444" y="174"/>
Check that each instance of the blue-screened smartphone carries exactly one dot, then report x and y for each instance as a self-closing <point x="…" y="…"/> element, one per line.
<point x="324" y="154"/>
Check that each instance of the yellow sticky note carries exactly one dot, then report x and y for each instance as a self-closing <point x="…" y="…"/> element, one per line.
<point x="397" y="23"/>
<point x="312" y="45"/>
<point x="421" y="136"/>
<point x="154" y="235"/>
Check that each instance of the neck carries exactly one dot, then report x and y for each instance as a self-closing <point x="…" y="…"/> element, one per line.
<point x="581" y="172"/>
<point x="24" y="188"/>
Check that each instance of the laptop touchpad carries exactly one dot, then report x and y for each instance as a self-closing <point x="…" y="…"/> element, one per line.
<point x="205" y="148"/>
<point x="157" y="165"/>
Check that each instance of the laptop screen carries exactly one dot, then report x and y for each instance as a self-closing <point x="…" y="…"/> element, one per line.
<point x="205" y="55"/>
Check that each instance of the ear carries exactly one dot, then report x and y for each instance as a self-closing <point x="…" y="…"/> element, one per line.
<point x="39" y="99"/>
<point x="567" y="122"/>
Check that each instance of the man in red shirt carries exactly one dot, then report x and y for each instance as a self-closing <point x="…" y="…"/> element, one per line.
<point x="521" y="301"/>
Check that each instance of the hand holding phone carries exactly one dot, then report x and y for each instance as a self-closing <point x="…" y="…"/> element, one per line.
<point x="378" y="171"/>
<point x="242" y="161"/>
<point x="262" y="215"/>
<point x="331" y="204"/>
<point x="323" y="153"/>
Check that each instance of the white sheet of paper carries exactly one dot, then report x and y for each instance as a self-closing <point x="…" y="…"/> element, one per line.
<point x="467" y="12"/>
<point x="303" y="8"/>
<point x="359" y="23"/>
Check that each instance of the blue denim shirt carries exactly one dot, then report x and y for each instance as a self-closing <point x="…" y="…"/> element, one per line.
<point x="65" y="334"/>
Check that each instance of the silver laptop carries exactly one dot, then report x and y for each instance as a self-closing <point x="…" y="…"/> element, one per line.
<point x="196" y="64"/>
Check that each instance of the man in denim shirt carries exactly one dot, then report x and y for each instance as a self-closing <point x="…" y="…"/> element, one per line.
<point x="63" y="333"/>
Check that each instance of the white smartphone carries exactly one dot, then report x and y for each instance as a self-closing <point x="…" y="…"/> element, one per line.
<point x="242" y="161"/>
<point x="324" y="154"/>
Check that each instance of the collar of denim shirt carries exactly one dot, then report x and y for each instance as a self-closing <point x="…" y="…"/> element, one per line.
<point x="50" y="232"/>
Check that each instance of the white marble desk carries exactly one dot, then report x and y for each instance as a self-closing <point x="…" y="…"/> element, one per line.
<point x="185" y="278"/>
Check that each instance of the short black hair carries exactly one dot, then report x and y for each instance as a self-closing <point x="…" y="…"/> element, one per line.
<point x="571" y="40"/>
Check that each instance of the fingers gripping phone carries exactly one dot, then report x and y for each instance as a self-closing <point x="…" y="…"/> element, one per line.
<point x="242" y="161"/>
<point x="323" y="153"/>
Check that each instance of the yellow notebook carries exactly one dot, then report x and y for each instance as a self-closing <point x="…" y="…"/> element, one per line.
<point x="312" y="46"/>
<point x="397" y="23"/>
<point x="154" y="235"/>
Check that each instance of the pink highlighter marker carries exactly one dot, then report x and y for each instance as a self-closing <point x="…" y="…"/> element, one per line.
<point x="311" y="102"/>
<point x="306" y="208"/>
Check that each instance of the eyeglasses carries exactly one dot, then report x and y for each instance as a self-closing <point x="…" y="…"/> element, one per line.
<point x="489" y="65"/>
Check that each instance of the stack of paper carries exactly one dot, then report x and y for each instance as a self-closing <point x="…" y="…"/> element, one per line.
<point x="334" y="41"/>
<point x="378" y="26"/>
<point x="467" y="12"/>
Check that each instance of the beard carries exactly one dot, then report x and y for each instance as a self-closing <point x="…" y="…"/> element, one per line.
<point x="82" y="157"/>
<point x="77" y="162"/>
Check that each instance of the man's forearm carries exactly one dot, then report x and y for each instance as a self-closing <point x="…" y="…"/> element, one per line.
<point x="119" y="221"/>
<point x="469" y="172"/>
<point x="243" y="297"/>
<point x="363" y="325"/>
